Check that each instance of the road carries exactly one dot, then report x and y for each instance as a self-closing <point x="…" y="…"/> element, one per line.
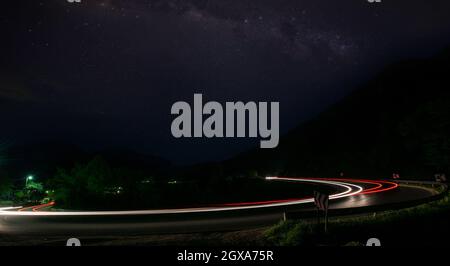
<point x="349" y="194"/>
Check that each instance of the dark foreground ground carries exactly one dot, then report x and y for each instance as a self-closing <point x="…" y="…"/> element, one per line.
<point x="429" y="230"/>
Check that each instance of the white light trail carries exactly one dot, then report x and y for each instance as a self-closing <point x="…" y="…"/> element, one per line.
<point x="349" y="190"/>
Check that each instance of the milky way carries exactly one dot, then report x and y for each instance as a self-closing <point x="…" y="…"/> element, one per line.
<point x="105" y="73"/>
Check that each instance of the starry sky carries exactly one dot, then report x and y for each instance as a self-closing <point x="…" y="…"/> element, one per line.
<point x="105" y="73"/>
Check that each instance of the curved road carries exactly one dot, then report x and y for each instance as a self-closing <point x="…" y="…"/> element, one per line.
<point x="349" y="194"/>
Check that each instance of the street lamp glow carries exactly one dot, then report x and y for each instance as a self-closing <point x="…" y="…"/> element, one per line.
<point x="29" y="178"/>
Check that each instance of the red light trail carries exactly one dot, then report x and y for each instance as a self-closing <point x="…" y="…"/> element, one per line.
<point x="345" y="188"/>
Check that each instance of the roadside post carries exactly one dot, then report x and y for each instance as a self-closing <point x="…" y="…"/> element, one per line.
<point x="321" y="200"/>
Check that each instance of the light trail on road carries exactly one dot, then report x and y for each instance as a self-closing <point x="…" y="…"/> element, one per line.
<point x="347" y="194"/>
<point x="347" y="190"/>
<point x="36" y="208"/>
<point x="10" y="208"/>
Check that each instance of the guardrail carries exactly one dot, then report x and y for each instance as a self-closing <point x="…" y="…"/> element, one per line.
<point x="420" y="182"/>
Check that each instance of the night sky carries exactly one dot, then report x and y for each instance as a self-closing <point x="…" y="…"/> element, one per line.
<point x="105" y="73"/>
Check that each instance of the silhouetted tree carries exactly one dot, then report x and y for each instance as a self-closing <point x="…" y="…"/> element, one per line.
<point x="82" y="184"/>
<point x="426" y="131"/>
<point x="6" y="186"/>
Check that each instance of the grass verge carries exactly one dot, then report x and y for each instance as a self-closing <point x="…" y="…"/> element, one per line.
<point x="425" y="225"/>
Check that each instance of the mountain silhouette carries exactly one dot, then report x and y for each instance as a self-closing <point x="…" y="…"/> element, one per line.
<point x="397" y="122"/>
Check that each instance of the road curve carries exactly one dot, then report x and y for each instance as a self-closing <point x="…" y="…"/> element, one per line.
<point x="350" y="193"/>
<point x="345" y="190"/>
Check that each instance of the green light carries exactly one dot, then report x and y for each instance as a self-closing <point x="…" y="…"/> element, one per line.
<point x="29" y="178"/>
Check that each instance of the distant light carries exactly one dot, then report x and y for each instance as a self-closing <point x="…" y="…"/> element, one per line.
<point x="30" y="177"/>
